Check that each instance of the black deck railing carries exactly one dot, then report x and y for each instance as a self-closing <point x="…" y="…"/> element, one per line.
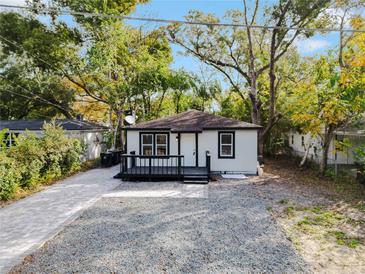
<point x="151" y="166"/>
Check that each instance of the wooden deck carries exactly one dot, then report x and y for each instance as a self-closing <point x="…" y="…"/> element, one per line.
<point x="166" y="173"/>
<point x="161" y="167"/>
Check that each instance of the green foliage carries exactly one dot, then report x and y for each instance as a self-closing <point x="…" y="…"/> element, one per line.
<point x="29" y="156"/>
<point x="3" y="138"/>
<point x="343" y="239"/>
<point x="359" y="155"/>
<point x="36" y="160"/>
<point x="62" y="154"/>
<point x="9" y="176"/>
<point x="32" y="57"/>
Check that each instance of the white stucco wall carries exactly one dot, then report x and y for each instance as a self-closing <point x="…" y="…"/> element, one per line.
<point x="245" y="160"/>
<point x="245" y="152"/>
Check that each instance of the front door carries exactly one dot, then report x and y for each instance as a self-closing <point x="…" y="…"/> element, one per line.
<point x="187" y="146"/>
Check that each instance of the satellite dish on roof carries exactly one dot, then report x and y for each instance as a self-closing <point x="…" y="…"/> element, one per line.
<point x="130" y="119"/>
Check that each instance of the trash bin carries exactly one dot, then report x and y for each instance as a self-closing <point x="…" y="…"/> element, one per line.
<point x="116" y="156"/>
<point x="106" y="159"/>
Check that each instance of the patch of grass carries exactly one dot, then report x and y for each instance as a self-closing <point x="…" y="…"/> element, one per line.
<point x="284" y="201"/>
<point x="316" y="209"/>
<point x="360" y="206"/>
<point x="289" y="211"/>
<point x="343" y="239"/>
<point x="269" y="208"/>
<point x="322" y="218"/>
<point x="305" y="221"/>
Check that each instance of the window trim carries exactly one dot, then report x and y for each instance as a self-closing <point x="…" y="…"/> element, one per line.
<point x="220" y="156"/>
<point x="161" y="145"/>
<point x="142" y="145"/>
<point x="154" y="141"/>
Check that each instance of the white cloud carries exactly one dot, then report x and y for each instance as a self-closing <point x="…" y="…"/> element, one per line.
<point x="311" y="45"/>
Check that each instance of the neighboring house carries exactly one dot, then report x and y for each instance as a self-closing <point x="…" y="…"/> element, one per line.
<point x="90" y="133"/>
<point x="342" y="155"/>
<point x="188" y="139"/>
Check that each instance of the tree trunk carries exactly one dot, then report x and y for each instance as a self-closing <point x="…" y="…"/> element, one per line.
<point x="307" y="148"/>
<point x="328" y="136"/>
<point x="261" y="144"/>
<point x="114" y="143"/>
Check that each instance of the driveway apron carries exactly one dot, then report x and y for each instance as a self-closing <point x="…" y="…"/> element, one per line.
<point x="28" y="223"/>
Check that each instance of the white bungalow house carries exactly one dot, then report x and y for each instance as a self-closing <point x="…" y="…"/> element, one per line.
<point x="337" y="155"/>
<point x="190" y="144"/>
<point x="89" y="133"/>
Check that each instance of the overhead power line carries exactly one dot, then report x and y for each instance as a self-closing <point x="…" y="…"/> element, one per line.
<point x="34" y="96"/>
<point x="22" y="48"/>
<point x="173" y="21"/>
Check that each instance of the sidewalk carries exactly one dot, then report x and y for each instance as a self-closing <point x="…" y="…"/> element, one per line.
<point x="28" y="223"/>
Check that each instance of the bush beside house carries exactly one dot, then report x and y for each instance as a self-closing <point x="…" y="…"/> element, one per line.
<point x="37" y="160"/>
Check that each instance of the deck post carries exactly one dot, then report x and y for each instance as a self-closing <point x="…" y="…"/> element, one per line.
<point x="133" y="159"/>
<point x="207" y="160"/>
<point x="179" y="167"/>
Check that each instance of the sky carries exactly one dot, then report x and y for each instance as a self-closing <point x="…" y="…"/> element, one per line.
<point x="177" y="9"/>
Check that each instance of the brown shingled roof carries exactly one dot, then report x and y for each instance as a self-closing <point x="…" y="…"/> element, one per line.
<point x="194" y="121"/>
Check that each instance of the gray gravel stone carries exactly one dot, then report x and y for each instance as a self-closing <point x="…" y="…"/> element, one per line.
<point x="229" y="231"/>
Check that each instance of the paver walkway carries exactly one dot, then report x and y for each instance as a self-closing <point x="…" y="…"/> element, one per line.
<point x="28" y="223"/>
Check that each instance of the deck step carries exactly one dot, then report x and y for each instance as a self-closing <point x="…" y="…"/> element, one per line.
<point x="196" y="182"/>
<point x="196" y="179"/>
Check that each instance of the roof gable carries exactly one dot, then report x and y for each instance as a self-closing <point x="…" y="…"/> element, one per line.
<point x="194" y="121"/>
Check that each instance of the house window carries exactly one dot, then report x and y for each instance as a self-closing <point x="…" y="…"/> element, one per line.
<point x="147" y="144"/>
<point x="154" y="143"/>
<point x="161" y="144"/>
<point x="302" y="141"/>
<point x="226" y="145"/>
<point x="292" y="139"/>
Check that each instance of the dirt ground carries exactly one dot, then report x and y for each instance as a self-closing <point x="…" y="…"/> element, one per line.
<point x="325" y="219"/>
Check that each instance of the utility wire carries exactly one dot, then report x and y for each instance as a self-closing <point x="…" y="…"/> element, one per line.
<point x="36" y="96"/>
<point x="22" y="48"/>
<point x="172" y="21"/>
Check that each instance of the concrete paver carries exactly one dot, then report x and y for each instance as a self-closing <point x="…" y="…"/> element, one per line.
<point x="28" y="223"/>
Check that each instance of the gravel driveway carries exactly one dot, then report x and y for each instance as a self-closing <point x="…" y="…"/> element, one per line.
<point x="226" y="230"/>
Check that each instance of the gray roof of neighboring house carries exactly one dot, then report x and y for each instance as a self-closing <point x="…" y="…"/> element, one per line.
<point x="193" y="121"/>
<point x="38" y="124"/>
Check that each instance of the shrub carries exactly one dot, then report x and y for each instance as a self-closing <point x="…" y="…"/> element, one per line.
<point x="9" y="176"/>
<point x="72" y="160"/>
<point x="3" y="138"/>
<point x="35" y="160"/>
<point x="29" y="157"/>
<point x="55" y="145"/>
<point x="62" y="154"/>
